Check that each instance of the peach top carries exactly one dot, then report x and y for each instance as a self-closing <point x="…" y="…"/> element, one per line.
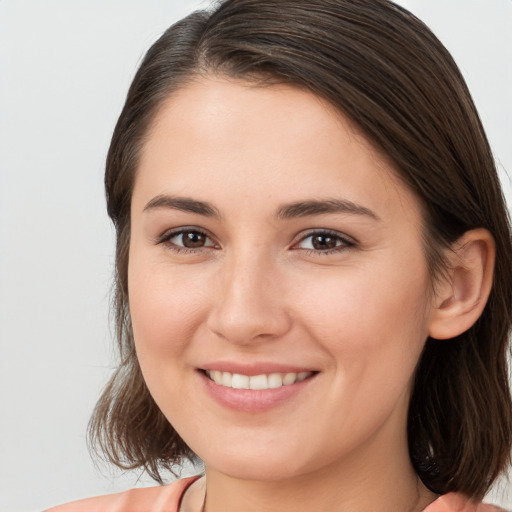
<point x="164" y="498"/>
<point x="167" y="498"/>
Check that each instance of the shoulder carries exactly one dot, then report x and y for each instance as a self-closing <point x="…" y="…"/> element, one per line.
<point x="164" y="498"/>
<point x="454" y="502"/>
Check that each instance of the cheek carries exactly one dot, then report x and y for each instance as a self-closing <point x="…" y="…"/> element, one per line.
<point x="374" y="332"/>
<point x="372" y="321"/>
<point x="365" y="302"/>
<point x="165" y="306"/>
<point x="165" y="311"/>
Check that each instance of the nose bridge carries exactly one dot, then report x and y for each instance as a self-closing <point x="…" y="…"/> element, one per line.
<point x="248" y="305"/>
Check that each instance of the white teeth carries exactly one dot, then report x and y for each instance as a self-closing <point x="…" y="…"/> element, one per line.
<point x="256" y="382"/>
<point x="275" y="380"/>
<point x="239" y="381"/>
<point x="289" y="378"/>
<point x="259" y="382"/>
<point x="227" y="379"/>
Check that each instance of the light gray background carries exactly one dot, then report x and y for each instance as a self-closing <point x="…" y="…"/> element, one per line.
<point x="65" y="67"/>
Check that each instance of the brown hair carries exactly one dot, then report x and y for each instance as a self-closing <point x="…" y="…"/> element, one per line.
<point x="382" y="68"/>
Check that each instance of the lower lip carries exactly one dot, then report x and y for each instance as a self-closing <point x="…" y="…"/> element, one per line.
<point x="250" y="400"/>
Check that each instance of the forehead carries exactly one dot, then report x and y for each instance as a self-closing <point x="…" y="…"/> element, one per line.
<point x="218" y="136"/>
<point x="219" y="110"/>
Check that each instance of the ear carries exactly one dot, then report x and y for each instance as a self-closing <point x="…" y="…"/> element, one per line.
<point x="462" y="293"/>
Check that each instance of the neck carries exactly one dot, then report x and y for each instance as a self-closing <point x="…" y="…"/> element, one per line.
<point x="380" y="480"/>
<point x="333" y="493"/>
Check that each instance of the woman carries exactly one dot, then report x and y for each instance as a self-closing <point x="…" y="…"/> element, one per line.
<point x="313" y="268"/>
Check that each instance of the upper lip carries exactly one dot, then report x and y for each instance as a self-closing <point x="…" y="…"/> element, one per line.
<point x="256" y="368"/>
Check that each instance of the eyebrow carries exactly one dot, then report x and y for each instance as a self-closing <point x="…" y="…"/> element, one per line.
<point x="184" y="204"/>
<point x="319" y="207"/>
<point x="287" y="211"/>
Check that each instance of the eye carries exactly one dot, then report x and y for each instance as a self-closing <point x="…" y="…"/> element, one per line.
<point x="324" y="242"/>
<point x="186" y="238"/>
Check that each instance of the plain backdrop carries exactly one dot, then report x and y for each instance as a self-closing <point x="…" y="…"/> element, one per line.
<point x="65" y="67"/>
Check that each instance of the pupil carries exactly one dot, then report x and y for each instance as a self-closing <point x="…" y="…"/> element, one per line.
<point x="193" y="239"/>
<point x="323" y="242"/>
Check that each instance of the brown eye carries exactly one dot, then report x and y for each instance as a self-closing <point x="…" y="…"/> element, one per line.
<point x="187" y="239"/>
<point x="325" y="242"/>
<point x="193" y="239"/>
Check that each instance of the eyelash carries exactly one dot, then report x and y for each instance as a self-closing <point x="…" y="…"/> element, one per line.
<point x="346" y="242"/>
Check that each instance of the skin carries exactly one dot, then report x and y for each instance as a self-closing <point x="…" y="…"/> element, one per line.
<point x="258" y="290"/>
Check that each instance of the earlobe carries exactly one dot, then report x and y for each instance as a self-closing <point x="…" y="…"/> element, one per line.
<point x="462" y="293"/>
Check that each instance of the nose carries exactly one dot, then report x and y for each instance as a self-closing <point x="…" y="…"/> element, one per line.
<point x="250" y="301"/>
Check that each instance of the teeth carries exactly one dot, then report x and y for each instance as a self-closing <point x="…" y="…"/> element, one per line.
<point x="256" y="382"/>
<point x="302" y="375"/>
<point x="289" y="378"/>
<point x="239" y="381"/>
<point x="226" y="379"/>
<point x="216" y="376"/>
<point x="275" y="380"/>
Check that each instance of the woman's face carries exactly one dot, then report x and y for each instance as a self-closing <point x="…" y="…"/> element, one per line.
<point x="269" y="241"/>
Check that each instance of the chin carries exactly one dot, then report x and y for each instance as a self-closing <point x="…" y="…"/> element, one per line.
<point x="259" y="471"/>
<point x="259" y="464"/>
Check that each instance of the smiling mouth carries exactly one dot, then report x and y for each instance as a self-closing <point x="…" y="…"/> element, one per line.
<point x="256" y="382"/>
